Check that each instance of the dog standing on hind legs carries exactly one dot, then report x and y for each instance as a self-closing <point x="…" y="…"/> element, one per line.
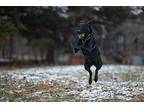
<point x="87" y="44"/>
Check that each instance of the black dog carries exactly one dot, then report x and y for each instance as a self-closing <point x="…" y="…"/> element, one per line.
<point x="87" y="44"/>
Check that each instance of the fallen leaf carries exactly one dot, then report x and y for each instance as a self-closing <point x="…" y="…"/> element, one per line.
<point x="45" y="84"/>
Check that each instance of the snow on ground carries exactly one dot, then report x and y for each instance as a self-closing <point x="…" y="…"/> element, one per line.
<point x="116" y="82"/>
<point x="59" y="72"/>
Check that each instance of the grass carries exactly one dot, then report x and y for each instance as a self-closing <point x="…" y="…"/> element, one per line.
<point x="20" y="90"/>
<point x="53" y="93"/>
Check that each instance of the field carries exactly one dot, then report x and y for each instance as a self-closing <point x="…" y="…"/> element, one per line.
<point x="70" y="83"/>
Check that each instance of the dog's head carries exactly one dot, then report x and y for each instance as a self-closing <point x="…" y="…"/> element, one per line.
<point x="84" y="29"/>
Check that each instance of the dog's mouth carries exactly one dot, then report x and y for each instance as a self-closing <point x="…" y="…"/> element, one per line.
<point x="81" y="35"/>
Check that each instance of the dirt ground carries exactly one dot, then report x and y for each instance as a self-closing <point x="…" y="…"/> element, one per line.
<point x="117" y="83"/>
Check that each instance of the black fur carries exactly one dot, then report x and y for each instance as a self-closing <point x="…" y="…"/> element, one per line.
<point x="91" y="52"/>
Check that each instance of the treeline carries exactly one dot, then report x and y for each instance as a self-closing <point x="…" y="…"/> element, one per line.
<point x="44" y="30"/>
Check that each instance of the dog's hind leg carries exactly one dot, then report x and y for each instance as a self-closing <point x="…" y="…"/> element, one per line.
<point x="87" y="66"/>
<point x="96" y="75"/>
<point x="98" y="66"/>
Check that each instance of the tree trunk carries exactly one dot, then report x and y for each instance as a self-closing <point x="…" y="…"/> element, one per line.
<point x="11" y="47"/>
<point x="50" y="56"/>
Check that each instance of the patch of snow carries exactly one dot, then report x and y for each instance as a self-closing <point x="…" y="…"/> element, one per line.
<point x="110" y="86"/>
